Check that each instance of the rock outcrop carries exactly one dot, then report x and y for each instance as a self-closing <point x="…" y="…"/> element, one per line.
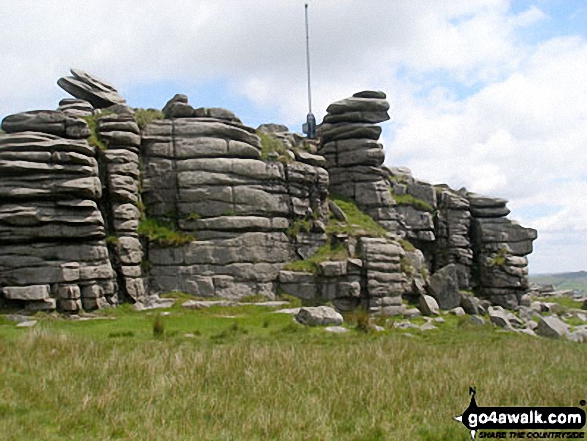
<point x="354" y="158"/>
<point x="101" y="203"/>
<point x="52" y="233"/>
<point x="500" y="247"/>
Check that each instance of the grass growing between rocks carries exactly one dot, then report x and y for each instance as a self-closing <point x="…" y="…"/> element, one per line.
<point x="407" y="199"/>
<point x="324" y="253"/>
<point x="357" y="221"/>
<point x="164" y="233"/>
<point x="144" y="117"/>
<point x="565" y="302"/>
<point x="271" y="144"/>
<point x="248" y="374"/>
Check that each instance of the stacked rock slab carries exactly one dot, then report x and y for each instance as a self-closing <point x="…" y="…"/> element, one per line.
<point x="90" y="88"/>
<point x="354" y="158"/>
<point x="384" y="280"/>
<point x="501" y="246"/>
<point x="206" y="174"/>
<point x="453" y="245"/>
<point x="52" y="248"/>
<point x="340" y="282"/>
<point x="121" y="180"/>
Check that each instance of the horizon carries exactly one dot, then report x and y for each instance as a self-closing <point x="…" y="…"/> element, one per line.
<point x="487" y="96"/>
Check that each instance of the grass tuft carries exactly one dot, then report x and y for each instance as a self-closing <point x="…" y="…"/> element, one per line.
<point x="164" y="233"/>
<point x="144" y="117"/>
<point x="158" y="326"/>
<point x="271" y="144"/>
<point x="408" y="199"/>
<point x="358" y="222"/>
<point x="327" y="252"/>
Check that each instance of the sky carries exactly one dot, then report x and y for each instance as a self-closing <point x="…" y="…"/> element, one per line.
<point x="490" y="95"/>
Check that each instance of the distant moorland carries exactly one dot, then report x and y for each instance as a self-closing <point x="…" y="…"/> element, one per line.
<point x="562" y="281"/>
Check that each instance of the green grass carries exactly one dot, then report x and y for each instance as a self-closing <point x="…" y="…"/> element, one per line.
<point x="408" y="199"/>
<point x="144" y="117"/>
<point x="94" y="138"/>
<point x="324" y="253"/>
<point x="164" y="233"/>
<point x="247" y="374"/>
<point x="499" y="259"/>
<point x="358" y="222"/>
<point x="271" y="144"/>
<point x="407" y="245"/>
<point x="299" y="226"/>
<point x="565" y="302"/>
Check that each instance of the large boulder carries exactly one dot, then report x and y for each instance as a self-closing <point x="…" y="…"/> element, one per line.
<point x="319" y="316"/>
<point x="428" y="305"/>
<point x="444" y="287"/>
<point x="551" y="326"/>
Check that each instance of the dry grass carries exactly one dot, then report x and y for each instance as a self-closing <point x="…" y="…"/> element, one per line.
<point x="274" y="384"/>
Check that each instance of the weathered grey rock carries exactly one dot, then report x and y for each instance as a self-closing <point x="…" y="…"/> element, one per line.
<point x="526" y="331"/>
<point x="412" y="313"/>
<point x="553" y="327"/>
<point x="444" y="287"/>
<point x="470" y="303"/>
<point x="428" y="327"/>
<point x="405" y="325"/>
<point x="53" y="122"/>
<point x="526" y="300"/>
<point x="29" y="293"/>
<point x="371" y="117"/>
<point x="309" y="158"/>
<point x="332" y="268"/>
<point x="370" y="94"/>
<point x="90" y="88"/>
<point x="76" y="108"/>
<point x="319" y="316"/>
<point x="27" y="324"/>
<point x="202" y="304"/>
<point x="336" y="329"/>
<point x="290" y="311"/>
<point x="476" y="320"/>
<point x="578" y="336"/>
<point x="339" y="131"/>
<point x="428" y="305"/>
<point x="458" y="311"/>
<point x="499" y="317"/>
<point x="273" y="128"/>
<point x="41" y="305"/>
<point x="216" y="112"/>
<point x="178" y="107"/>
<point x="358" y="104"/>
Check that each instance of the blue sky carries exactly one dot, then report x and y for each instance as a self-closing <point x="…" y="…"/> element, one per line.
<point x="489" y="94"/>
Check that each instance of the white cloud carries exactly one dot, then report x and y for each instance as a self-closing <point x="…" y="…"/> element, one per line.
<point x="473" y="104"/>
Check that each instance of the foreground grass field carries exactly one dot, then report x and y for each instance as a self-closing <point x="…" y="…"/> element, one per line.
<point x="245" y="373"/>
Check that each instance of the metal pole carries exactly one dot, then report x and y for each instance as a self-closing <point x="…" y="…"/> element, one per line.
<point x="308" y="61"/>
<point x="309" y="128"/>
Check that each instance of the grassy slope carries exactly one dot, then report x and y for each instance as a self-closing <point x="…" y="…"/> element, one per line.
<point x="252" y="375"/>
